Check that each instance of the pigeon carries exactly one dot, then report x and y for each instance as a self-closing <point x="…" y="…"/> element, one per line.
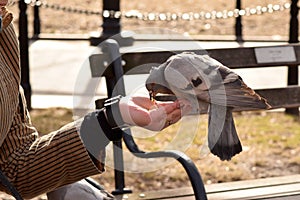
<point x="205" y="82"/>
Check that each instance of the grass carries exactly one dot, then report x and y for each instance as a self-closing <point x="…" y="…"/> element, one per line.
<point x="47" y="120"/>
<point x="271" y="143"/>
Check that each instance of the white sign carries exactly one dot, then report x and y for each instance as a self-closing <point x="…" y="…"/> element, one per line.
<point x="275" y="54"/>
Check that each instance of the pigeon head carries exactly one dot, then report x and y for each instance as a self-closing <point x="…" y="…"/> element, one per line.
<point x="156" y="82"/>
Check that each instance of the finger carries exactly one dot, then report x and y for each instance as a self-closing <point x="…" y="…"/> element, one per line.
<point x="184" y="102"/>
<point x="170" y="107"/>
<point x="186" y="109"/>
<point x="158" y="118"/>
<point x="173" y="118"/>
<point x="185" y="106"/>
<point x="177" y="116"/>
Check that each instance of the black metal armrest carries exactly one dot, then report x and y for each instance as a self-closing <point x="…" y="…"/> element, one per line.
<point x="185" y="161"/>
<point x="115" y="86"/>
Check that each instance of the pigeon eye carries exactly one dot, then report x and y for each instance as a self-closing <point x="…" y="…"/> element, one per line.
<point x="196" y="82"/>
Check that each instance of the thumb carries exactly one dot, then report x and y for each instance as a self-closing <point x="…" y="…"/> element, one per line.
<point x="158" y="118"/>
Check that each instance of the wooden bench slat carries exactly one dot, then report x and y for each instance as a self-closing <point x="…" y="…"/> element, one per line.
<point x="242" y="57"/>
<point x="258" y="193"/>
<point x="255" y="183"/>
<point x="249" y="189"/>
<point x="287" y="97"/>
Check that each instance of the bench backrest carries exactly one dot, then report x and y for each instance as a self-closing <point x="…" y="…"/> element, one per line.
<point x="242" y="57"/>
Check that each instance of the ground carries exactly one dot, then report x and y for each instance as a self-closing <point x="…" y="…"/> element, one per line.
<point x="270" y="140"/>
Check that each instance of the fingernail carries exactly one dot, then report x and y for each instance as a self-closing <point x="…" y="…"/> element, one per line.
<point x="179" y="104"/>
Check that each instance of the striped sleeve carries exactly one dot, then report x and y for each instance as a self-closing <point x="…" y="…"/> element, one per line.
<point x="9" y="49"/>
<point x="8" y="104"/>
<point x="9" y="79"/>
<point x="56" y="159"/>
<point x="35" y="165"/>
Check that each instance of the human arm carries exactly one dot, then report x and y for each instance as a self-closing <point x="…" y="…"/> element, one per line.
<point x="96" y="130"/>
<point x="9" y="74"/>
<point x="8" y="102"/>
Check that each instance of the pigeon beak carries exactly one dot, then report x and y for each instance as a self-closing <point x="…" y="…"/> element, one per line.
<point x="152" y="95"/>
<point x="151" y="89"/>
<point x="154" y="89"/>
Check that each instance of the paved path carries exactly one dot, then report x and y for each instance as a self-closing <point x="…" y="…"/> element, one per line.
<point x="56" y="66"/>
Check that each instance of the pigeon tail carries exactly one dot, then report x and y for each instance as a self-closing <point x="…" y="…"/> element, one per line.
<point x="223" y="140"/>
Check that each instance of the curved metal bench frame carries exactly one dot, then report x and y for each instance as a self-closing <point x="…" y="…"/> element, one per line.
<point x="111" y="49"/>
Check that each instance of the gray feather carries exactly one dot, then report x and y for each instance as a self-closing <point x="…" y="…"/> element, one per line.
<point x="223" y="140"/>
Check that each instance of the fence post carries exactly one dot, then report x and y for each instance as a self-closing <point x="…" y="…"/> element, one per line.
<point x="293" y="38"/>
<point x="238" y="23"/>
<point x="36" y="21"/>
<point x="24" y="55"/>
<point x="111" y="26"/>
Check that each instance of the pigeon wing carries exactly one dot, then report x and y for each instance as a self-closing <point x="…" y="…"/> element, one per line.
<point x="183" y="76"/>
<point x="210" y="81"/>
<point x="238" y="94"/>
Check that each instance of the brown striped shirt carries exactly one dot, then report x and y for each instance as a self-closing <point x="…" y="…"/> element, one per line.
<point x="35" y="165"/>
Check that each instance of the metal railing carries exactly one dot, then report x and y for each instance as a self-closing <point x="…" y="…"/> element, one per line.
<point x="112" y="14"/>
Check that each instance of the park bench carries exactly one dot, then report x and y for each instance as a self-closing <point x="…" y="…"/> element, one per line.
<point x="112" y="65"/>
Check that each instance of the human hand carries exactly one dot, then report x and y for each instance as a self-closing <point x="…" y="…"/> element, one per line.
<point x="143" y="112"/>
<point x="6" y="16"/>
